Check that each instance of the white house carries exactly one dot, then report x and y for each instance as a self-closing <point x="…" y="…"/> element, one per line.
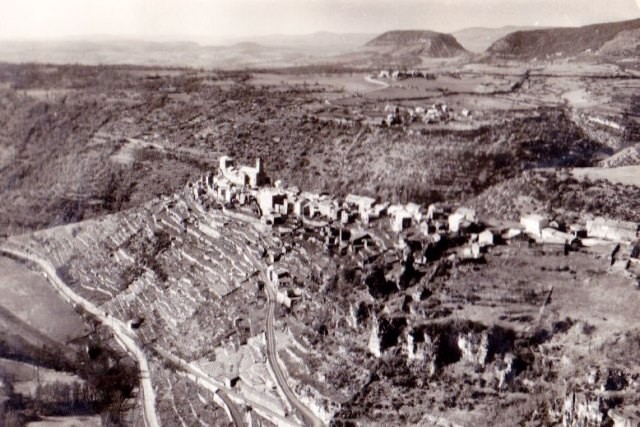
<point x="268" y="199"/>
<point x="486" y="238"/>
<point x="401" y="219"/>
<point x="534" y="224"/>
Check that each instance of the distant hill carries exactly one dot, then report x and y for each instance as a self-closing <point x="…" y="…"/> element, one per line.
<point x="137" y="52"/>
<point x="318" y="44"/>
<point x="403" y="49"/>
<point x="478" y="39"/>
<point x="268" y="51"/>
<point x="417" y="42"/>
<point x="564" y="42"/>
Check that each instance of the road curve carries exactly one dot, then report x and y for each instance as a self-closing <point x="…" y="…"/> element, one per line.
<point x="118" y="327"/>
<point x="370" y="79"/>
<point x="309" y="418"/>
<point x="217" y="387"/>
<point x="236" y="416"/>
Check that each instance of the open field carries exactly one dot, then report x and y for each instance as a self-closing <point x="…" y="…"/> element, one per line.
<point x="28" y="296"/>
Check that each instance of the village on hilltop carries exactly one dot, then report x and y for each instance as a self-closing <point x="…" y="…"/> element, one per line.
<point x="398" y="235"/>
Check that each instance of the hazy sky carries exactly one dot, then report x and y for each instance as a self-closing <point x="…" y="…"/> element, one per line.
<point x="212" y="19"/>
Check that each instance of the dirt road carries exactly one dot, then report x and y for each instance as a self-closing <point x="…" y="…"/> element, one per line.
<point x="370" y="79"/>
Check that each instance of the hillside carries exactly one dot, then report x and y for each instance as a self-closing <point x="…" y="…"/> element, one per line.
<point x="132" y="134"/>
<point x="625" y="43"/>
<point x="561" y="41"/>
<point x="478" y="39"/>
<point x="418" y="42"/>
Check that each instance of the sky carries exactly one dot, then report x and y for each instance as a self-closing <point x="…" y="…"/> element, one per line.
<point x="211" y="20"/>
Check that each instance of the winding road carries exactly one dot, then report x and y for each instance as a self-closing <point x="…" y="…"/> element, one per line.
<point x="119" y="328"/>
<point x="224" y="393"/>
<point x="308" y="417"/>
<point x="129" y="342"/>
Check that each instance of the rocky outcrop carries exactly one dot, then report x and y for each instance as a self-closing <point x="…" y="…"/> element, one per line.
<point x="582" y="409"/>
<point x="625" y="417"/>
<point x="506" y="370"/>
<point x="474" y="347"/>
<point x="420" y="350"/>
<point x="374" y="339"/>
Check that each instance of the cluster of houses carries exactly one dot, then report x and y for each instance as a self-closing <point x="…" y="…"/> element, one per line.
<point x="404" y="74"/>
<point x="352" y="225"/>
<point x="436" y="113"/>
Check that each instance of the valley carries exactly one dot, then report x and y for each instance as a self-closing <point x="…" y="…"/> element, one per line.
<point x="400" y="229"/>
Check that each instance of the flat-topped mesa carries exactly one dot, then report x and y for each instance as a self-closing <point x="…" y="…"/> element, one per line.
<point x="244" y="175"/>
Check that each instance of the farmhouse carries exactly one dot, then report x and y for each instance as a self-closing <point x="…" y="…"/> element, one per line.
<point x="486" y="238"/>
<point x="271" y="219"/>
<point x="401" y="219"/>
<point x="360" y="241"/>
<point x="301" y="208"/>
<point x="328" y="209"/>
<point x="415" y="210"/>
<point x="346" y="217"/>
<point x="438" y="211"/>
